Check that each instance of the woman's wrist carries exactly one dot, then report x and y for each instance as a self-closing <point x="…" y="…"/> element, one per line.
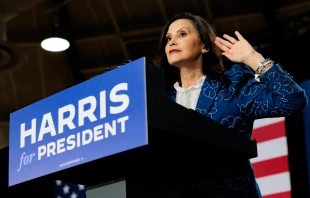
<point x="253" y="60"/>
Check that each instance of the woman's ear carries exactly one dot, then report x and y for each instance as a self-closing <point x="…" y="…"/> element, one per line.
<point x="204" y="50"/>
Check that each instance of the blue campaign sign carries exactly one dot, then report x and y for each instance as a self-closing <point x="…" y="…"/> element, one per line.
<point x="97" y="118"/>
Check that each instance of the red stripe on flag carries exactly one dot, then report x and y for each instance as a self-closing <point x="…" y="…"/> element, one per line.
<point x="271" y="166"/>
<point x="279" y="195"/>
<point x="269" y="132"/>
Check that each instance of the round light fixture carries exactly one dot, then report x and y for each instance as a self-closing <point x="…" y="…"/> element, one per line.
<point x="55" y="44"/>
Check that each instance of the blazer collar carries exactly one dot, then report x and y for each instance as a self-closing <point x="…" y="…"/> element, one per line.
<point x="209" y="91"/>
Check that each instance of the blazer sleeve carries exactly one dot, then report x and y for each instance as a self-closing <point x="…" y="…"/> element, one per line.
<point x="277" y="95"/>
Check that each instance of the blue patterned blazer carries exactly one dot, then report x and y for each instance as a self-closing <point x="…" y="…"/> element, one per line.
<point x="246" y="99"/>
<point x="237" y="106"/>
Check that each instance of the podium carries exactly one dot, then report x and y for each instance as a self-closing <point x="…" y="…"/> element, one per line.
<point x="182" y="143"/>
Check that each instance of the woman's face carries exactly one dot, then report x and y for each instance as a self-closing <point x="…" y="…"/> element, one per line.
<point x="183" y="44"/>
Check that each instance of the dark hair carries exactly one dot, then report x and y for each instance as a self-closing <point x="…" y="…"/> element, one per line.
<point x="212" y="60"/>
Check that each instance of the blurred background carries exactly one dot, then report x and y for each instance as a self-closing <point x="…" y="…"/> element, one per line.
<point x="104" y="33"/>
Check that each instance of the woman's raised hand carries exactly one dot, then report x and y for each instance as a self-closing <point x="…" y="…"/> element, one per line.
<point x="237" y="50"/>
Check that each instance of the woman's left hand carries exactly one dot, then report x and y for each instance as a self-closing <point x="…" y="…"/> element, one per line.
<point x="239" y="51"/>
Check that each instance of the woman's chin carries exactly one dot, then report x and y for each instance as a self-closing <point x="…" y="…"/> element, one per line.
<point x="175" y="63"/>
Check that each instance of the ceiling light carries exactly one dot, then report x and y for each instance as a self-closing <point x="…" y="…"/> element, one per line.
<point x="55" y="44"/>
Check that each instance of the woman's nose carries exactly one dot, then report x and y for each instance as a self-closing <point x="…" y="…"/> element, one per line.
<point x="173" y="42"/>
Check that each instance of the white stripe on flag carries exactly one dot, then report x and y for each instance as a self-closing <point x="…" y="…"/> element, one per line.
<point x="274" y="183"/>
<point x="271" y="149"/>
<point x="266" y="121"/>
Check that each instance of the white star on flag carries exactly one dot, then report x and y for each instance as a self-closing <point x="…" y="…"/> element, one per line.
<point x="66" y="189"/>
<point x="58" y="182"/>
<point x="81" y="187"/>
<point x="73" y="195"/>
<point x="69" y="190"/>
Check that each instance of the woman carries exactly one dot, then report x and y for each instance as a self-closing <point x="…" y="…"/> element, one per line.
<point x="191" y="56"/>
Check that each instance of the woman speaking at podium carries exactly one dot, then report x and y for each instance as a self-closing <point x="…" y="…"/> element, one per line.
<point x="254" y="87"/>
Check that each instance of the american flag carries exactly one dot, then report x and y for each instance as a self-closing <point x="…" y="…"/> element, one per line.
<point x="271" y="166"/>
<point x="69" y="190"/>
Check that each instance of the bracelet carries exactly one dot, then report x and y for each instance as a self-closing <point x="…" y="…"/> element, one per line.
<point x="264" y="66"/>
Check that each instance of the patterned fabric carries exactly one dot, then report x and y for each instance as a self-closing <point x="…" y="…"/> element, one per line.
<point x="237" y="106"/>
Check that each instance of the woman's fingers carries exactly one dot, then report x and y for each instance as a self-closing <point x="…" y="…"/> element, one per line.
<point x="231" y="39"/>
<point x="222" y="46"/>
<point x="239" y="36"/>
<point x="228" y="55"/>
<point x="224" y="42"/>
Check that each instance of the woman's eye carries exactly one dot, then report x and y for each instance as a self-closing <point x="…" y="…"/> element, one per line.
<point x="182" y="34"/>
<point x="168" y="39"/>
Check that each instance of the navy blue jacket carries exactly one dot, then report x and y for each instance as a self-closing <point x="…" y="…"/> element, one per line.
<point x="236" y="106"/>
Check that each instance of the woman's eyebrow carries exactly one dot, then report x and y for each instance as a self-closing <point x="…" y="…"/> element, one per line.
<point x="177" y="30"/>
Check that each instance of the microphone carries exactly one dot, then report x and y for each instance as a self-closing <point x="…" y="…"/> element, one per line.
<point x="111" y="68"/>
<point x="126" y="61"/>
